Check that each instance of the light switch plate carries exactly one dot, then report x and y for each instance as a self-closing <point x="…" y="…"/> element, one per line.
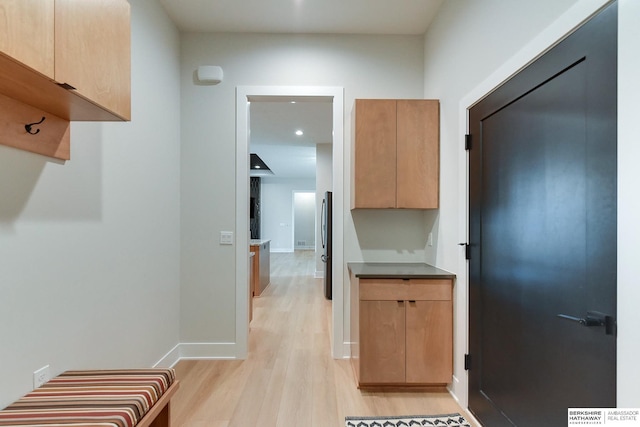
<point x="226" y="237"/>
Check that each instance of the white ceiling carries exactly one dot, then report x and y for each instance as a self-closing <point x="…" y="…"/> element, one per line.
<point x="273" y="123"/>
<point x="303" y="16"/>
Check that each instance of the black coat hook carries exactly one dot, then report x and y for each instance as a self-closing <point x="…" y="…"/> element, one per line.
<point x="28" y="126"/>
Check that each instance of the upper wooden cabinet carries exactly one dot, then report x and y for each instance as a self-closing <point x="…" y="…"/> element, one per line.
<point x="26" y="33"/>
<point x="396" y="154"/>
<point x="93" y="51"/>
<point x="70" y="58"/>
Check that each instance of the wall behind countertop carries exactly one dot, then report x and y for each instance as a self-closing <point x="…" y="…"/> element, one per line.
<point x="365" y="66"/>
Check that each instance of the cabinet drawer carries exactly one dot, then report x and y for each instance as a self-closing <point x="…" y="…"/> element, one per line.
<point x="398" y="289"/>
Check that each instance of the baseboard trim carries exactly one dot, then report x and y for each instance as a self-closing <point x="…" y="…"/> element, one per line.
<point x="455" y="392"/>
<point x="346" y="350"/>
<point x="170" y="359"/>
<point x="454" y="388"/>
<point x="216" y="351"/>
<point x="222" y="350"/>
<point x="204" y="351"/>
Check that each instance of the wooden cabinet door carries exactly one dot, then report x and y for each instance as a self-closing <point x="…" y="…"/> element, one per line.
<point x="255" y="267"/>
<point x="382" y="342"/>
<point x="429" y="342"/>
<point x="93" y="51"/>
<point x="265" y="265"/>
<point x="252" y="259"/>
<point x="418" y="154"/>
<point x="26" y="33"/>
<point x="374" y="157"/>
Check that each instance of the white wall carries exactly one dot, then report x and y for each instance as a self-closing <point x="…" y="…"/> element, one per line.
<point x="366" y="66"/>
<point x="277" y="210"/>
<point x="493" y="38"/>
<point x="90" y="249"/>
<point x="628" y="204"/>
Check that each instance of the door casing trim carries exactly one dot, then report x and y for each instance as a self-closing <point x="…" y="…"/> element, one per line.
<point x="243" y="95"/>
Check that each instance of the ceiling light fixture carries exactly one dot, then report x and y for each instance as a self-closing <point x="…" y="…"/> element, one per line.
<point x="299" y="132"/>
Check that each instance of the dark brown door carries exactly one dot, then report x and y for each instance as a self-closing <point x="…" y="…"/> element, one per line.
<point x="543" y="235"/>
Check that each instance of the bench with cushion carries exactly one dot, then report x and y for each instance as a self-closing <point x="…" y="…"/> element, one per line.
<point x="102" y="398"/>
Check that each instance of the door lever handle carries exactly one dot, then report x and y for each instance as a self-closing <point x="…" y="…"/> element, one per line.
<point x="586" y="321"/>
<point x="594" y="318"/>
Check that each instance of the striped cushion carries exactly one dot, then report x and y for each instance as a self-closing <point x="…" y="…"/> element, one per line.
<point x="111" y="398"/>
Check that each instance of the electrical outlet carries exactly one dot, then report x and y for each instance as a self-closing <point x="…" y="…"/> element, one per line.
<point x="430" y="239"/>
<point x="41" y="376"/>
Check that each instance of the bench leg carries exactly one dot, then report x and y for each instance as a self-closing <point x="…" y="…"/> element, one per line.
<point x="164" y="417"/>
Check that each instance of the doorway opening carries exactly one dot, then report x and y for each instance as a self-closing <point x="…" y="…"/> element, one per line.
<point x="244" y="97"/>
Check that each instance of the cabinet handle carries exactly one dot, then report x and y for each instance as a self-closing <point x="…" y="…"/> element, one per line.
<point x="66" y="86"/>
<point x="412" y="301"/>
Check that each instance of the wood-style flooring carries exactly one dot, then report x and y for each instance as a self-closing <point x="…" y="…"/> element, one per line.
<point x="289" y="378"/>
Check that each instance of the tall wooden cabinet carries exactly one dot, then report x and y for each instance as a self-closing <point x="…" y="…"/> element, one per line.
<point x="396" y="154"/>
<point x="402" y="331"/>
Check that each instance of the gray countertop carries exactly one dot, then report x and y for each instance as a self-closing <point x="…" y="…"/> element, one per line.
<point x="256" y="242"/>
<point x="391" y="270"/>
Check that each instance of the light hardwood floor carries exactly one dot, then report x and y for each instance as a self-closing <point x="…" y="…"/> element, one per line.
<point x="289" y="378"/>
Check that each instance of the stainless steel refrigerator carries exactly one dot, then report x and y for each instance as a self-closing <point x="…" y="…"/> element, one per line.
<point x="327" y="245"/>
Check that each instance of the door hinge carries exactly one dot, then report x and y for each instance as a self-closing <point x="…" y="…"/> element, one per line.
<point x="467" y="142"/>
<point x="467" y="250"/>
<point x="467" y="362"/>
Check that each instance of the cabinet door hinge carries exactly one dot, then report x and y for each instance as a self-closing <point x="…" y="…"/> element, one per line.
<point x="467" y="362"/>
<point x="467" y="142"/>
<point x="467" y="250"/>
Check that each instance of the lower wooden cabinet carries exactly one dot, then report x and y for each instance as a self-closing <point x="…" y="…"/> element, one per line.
<point x="252" y="260"/>
<point x="404" y="333"/>
<point x="382" y="342"/>
<point x="262" y="266"/>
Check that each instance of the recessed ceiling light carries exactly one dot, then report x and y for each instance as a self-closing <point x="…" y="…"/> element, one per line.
<point x="299" y="132"/>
